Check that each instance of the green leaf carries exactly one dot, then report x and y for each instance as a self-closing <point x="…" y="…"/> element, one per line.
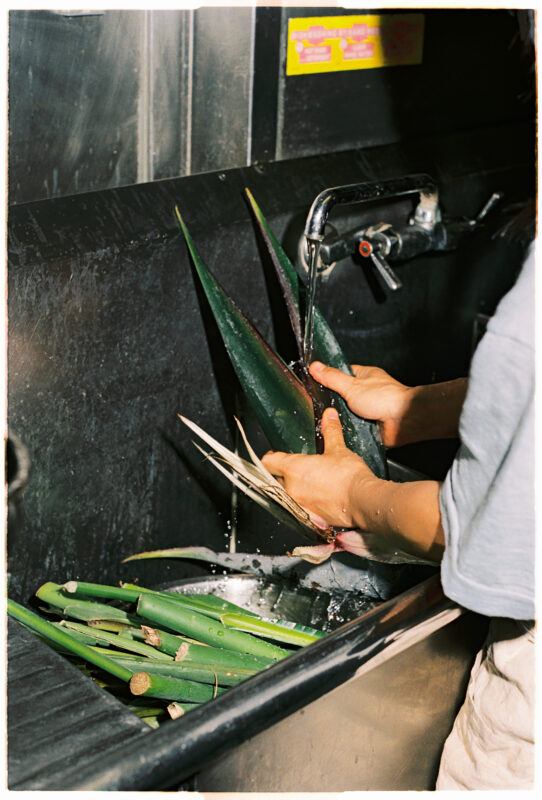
<point x="361" y="436"/>
<point x="280" y="401"/>
<point x="199" y="553"/>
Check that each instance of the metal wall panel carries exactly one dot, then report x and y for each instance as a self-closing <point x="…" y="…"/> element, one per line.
<point x="168" y="75"/>
<point x="73" y="102"/>
<point x="222" y="85"/>
<point x="105" y="99"/>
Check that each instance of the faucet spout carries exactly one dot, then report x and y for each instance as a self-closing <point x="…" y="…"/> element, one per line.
<point x="426" y="214"/>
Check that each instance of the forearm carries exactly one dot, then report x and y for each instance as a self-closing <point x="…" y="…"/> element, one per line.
<point x="408" y="514"/>
<point x="432" y="412"/>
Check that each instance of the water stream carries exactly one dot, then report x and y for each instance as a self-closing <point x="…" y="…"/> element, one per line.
<point x="308" y="335"/>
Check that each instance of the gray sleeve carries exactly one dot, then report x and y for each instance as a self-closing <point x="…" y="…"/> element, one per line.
<point x="487" y="498"/>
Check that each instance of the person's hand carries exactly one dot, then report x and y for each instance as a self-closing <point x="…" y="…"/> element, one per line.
<point x="405" y="414"/>
<point x="325" y="485"/>
<point x="370" y="393"/>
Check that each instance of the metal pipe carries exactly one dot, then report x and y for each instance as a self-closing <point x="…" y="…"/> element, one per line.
<point x="165" y="757"/>
<point x="425" y="214"/>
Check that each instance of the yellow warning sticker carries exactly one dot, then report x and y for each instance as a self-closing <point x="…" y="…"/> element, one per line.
<point x="360" y="41"/>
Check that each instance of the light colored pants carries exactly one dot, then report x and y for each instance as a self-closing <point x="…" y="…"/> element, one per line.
<point x="491" y="745"/>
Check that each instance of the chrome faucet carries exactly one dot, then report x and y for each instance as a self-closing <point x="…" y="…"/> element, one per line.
<point x="381" y="242"/>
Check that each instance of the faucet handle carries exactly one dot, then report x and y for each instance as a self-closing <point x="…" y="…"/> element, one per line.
<point x="495" y="198"/>
<point x="369" y="248"/>
<point x="376" y="246"/>
<point x="386" y="272"/>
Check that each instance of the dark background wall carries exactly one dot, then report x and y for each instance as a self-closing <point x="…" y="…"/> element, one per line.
<point x="108" y="338"/>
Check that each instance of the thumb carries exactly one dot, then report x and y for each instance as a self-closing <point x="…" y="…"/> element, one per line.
<point x="332" y="431"/>
<point x="275" y="462"/>
<point x="333" y="378"/>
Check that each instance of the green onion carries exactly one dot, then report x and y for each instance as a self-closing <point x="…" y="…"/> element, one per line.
<point x="198" y="626"/>
<point x="54" y="634"/>
<point x="166" y="688"/>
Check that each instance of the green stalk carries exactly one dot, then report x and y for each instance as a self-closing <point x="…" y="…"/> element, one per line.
<point x="80" y="609"/>
<point x="130" y="593"/>
<point x="165" y="642"/>
<point x="54" y="634"/>
<point x="203" y="601"/>
<point x="237" y="618"/>
<point x="211" y="601"/>
<point x="174" y="669"/>
<point x="116" y="627"/>
<point x="279" y="400"/>
<point x="176" y="710"/>
<point x="82" y="589"/>
<point x="152" y="722"/>
<point x="203" y="655"/>
<point x="272" y="630"/>
<point x="123" y="643"/>
<point x="118" y="654"/>
<point x="146" y="711"/>
<point x="198" y="626"/>
<point x="166" y="688"/>
<point x="81" y="636"/>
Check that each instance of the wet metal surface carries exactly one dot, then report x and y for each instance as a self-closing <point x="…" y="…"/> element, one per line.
<point x="56" y="716"/>
<point x="187" y="746"/>
<point x="109" y="98"/>
<point x="383" y="731"/>
<point x="108" y="340"/>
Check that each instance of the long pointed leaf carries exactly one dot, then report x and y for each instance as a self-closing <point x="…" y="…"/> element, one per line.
<point x="361" y="435"/>
<point x="282" y="265"/>
<point x="280" y="401"/>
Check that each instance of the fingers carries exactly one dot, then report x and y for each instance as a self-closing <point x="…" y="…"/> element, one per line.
<point x="333" y="378"/>
<point x="275" y="462"/>
<point x="332" y="431"/>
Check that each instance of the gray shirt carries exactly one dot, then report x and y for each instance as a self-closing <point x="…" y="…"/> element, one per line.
<point x="487" y="498"/>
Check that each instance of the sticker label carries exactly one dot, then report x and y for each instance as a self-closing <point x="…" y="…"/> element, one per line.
<point x="360" y="41"/>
